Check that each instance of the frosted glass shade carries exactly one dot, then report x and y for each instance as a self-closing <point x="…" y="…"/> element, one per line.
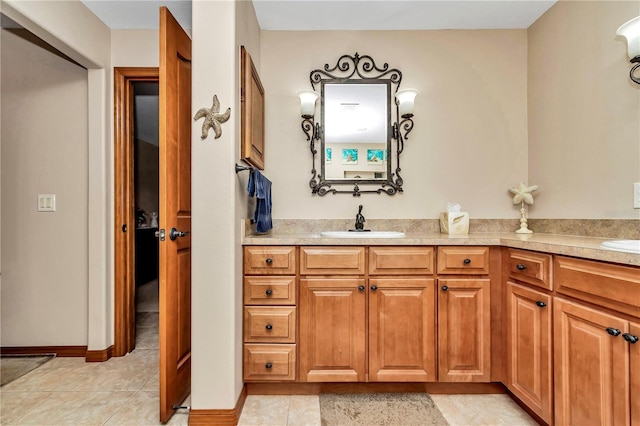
<point x="631" y="31"/>
<point x="308" y="103"/>
<point x="406" y="101"/>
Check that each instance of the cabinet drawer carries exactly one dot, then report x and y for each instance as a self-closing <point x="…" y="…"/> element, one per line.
<point x="269" y="290"/>
<point x="269" y="260"/>
<point x="614" y="286"/>
<point x="463" y="260"/>
<point x="400" y="260"/>
<point x="270" y="324"/>
<point x="531" y="267"/>
<point x="269" y="362"/>
<point x="331" y="260"/>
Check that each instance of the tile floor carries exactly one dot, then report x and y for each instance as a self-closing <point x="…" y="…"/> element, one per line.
<point x="458" y="410"/>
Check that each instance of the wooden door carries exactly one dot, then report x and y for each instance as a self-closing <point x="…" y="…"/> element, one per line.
<point x="634" y="369"/>
<point x="332" y="329"/>
<point x="464" y="330"/>
<point x="529" y="348"/>
<point x="175" y="213"/>
<point x="591" y="366"/>
<point x="402" y="330"/>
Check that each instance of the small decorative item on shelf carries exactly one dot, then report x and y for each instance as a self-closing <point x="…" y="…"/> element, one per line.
<point x="154" y="219"/>
<point x="523" y="195"/>
<point x="141" y="217"/>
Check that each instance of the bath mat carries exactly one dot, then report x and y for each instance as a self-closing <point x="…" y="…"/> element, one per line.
<point x="388" y="409"/>
<point x="16" y="366"/>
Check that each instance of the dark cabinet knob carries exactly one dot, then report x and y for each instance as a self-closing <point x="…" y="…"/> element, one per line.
<point x="269" y="292"/>
<point x="374" y="287"/>
<point x="630" y="338"/>
<point x="466" y="261"/>
<point x="444" y="288"/>
<point x="268" y="326"/>
<point x="613" y="331"/>
<point x="268" y="365"/>
<point x="541" y="304"/>
<point x="361" y="287"/>
<point x="269" y="260"/>
<point x="521" y="267"/>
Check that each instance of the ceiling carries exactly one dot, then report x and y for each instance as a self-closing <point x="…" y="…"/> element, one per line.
<point x="341" y="14"/>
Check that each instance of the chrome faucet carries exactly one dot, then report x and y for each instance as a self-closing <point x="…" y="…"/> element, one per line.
<point x="360" y="220"/>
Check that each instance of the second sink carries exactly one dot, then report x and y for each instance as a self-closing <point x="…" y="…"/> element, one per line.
<point x="363" y="234"/>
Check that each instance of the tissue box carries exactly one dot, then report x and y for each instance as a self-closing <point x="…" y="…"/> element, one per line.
<point x="454" y="223"/>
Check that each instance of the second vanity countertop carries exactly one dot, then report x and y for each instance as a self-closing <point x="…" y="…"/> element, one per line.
<point x="569" y="245"/>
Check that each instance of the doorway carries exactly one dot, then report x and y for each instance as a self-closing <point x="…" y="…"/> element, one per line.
<point x="146" y="194"/>
<point x="136" y="207"/>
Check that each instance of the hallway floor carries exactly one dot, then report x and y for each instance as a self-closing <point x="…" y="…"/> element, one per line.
<point x="70" y="391"/>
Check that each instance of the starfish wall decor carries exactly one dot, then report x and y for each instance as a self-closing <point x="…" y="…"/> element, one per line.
<point x="212" y="118"/>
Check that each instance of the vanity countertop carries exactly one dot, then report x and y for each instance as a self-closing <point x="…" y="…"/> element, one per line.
<point x="569" y="245"/>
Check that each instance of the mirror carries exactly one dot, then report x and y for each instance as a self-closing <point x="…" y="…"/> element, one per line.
<point x="356" y="128"/>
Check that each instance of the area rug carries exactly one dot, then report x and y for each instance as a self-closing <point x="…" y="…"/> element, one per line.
<point x="16" y="366"/>
<point x="397" y="409"/>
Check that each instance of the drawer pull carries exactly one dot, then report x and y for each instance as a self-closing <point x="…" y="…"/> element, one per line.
<point x="374" y="287"/>
<point x="630" y="338"/>
<point x="268" y="260"/>
<point x="541" y="304"/>
<point x="466" y="261"/>
<point x="269" y="292"/>
<point x="444" y="288"/>
<point x="268" y="326"/>
<point x="268" y="365"/>
<point x="361" y="288"/>
<point x="613" y="331"/>
<point x="521" y="267"/>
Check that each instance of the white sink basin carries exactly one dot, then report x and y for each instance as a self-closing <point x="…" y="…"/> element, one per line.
<point x="631" y="246"/>
<point x="363" y="234"/>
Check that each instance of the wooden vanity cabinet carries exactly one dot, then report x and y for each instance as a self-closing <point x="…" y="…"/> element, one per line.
<point x="270" y="313"/>
<point x="464" y="314"/>
<point x="596" y="348"/>
<point x="382" y="317"/>
<point x="528" y="317"/>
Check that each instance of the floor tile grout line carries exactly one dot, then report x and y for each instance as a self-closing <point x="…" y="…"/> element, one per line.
<point x="133" y="394"/>
<point x="17" y="421"/>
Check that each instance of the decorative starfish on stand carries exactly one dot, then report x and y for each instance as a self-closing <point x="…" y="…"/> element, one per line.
<point x="212" y="118"/>
<point x="523" y="195"/>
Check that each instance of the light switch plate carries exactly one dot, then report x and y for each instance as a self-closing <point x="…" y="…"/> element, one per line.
<point x="636" y="195"/>
<point x="46" y="202"/>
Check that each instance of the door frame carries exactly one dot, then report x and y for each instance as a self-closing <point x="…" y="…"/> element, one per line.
<point x="124" y="204"/>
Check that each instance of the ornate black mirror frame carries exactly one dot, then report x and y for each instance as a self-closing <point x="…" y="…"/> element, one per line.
<point x="358" y="69"/>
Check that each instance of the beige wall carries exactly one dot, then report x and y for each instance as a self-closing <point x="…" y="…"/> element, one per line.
<point x="584" y="112"/>
<point x="469" y="143"/>
<point x="44" y="147"/>
<point x="219" y="203"/>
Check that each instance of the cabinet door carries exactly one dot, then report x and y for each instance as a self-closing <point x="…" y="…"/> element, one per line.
<point x="402" y="330"/>
<point x="591" y="366"/>
<point x="529" y="348"/>
<point x="464" y="330"/>
<point x="332" y="329"/>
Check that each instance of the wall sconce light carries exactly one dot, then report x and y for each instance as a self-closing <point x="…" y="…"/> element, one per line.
<point x="308" y="100"/>
<point x="308" y="103"/>
<point x="631" y="31"/>
<point x="405" y="100"/>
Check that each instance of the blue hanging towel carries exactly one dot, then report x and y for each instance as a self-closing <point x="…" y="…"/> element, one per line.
<point x="260" y="187"/>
